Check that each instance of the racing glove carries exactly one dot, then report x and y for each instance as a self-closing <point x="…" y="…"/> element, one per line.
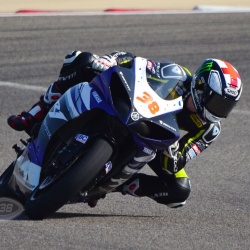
<point x="173" y="160"/>
<point x="104" y="62"/>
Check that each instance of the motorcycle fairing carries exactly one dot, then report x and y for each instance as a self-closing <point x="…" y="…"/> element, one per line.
<point x="147" y="102"/>
<point x="130" y="86"/>
<point x="77" y="100"/>
<point x="26" y="172"/>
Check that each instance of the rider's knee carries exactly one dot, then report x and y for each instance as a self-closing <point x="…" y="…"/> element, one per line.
<point x="179" y="188"/>
<point x="179" y="192"/>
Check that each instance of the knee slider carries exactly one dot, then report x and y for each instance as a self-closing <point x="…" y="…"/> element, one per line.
<point x="180" y="187"/>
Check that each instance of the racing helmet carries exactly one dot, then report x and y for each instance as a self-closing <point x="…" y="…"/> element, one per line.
<point x="215" y="88"/>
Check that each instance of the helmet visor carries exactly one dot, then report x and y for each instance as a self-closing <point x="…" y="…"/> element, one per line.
<point x="218" y="105"/>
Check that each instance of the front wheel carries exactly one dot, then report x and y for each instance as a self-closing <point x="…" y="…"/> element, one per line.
<point x="6" y="175"/>
<point x="5" y="188"/>
<point x="46" y="200"/>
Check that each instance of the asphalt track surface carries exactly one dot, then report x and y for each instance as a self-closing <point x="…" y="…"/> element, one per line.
<point x="217" y="213"/>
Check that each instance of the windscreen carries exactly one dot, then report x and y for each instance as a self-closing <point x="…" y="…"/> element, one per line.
<point x="167" y="89"/>
<point x="167" y="80"/>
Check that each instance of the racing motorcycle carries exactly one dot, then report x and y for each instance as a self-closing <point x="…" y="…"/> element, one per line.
<point x="94" y="138"/>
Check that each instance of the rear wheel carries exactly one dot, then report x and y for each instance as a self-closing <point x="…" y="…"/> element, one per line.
<point x="48" y="198"/>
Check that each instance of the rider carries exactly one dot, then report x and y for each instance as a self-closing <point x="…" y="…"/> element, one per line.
<point x="209" y="95"/>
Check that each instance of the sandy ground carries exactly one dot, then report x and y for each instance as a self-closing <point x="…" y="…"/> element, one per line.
<point x="99" y="5"/>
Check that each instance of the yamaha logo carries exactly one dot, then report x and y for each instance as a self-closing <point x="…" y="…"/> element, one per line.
<point x="135" y="116"/>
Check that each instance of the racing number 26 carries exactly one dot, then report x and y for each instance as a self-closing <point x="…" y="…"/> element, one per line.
<point x="148" y="99"/>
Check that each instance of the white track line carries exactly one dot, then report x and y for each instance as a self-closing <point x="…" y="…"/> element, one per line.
<point x="43" y="89"/>
<point x="22" y="86"/>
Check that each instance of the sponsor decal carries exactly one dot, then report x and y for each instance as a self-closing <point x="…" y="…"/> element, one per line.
<point x="97" y="97"/>
<point x="157" y="195"/>
<point x="46" y="129"/>
<point x="196" y="120"/>
<point x="196" y="149"/>
<point x="165" y="124"/>
<point x="191" y="153"/>
<point x="216" y="131"/>
<point x="108" y="167"/>
<point x="205" y="67"/>
<point x="158" y="70"/>
<point x="29" y="185"/>
<point x="231" y="91"/>
<point x="147" y="151"/>
<point x="135" y="116"/>
<point x="212" y="133"/>
<point x="81" y="138"/>
<point x="64" y="78"/>
<point x="150" y="66"/>
<point x="10" y="208"/>
<point x="124" y="80"/>
<point x="201" y="145"/>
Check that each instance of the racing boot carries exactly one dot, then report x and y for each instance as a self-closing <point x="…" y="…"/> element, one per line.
<point x="26" y="120"/>
<point x="173" y="193"/>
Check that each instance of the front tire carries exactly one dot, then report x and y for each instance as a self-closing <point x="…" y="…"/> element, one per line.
<point x="80" y="175"/>
<point x="6" y="175"/>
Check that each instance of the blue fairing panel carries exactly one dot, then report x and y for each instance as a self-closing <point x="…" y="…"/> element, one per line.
<point x="72" y="104"/>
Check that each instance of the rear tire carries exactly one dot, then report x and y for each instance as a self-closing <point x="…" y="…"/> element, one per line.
<point x="80" y="175"/>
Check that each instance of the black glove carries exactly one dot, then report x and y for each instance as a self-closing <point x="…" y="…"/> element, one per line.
<point x="173" y="160"/>
<point x="173" y="165"/>
<point x="124" y="58"/>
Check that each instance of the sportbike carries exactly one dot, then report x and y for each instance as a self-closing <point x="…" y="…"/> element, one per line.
<point x="94" y="138"/>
